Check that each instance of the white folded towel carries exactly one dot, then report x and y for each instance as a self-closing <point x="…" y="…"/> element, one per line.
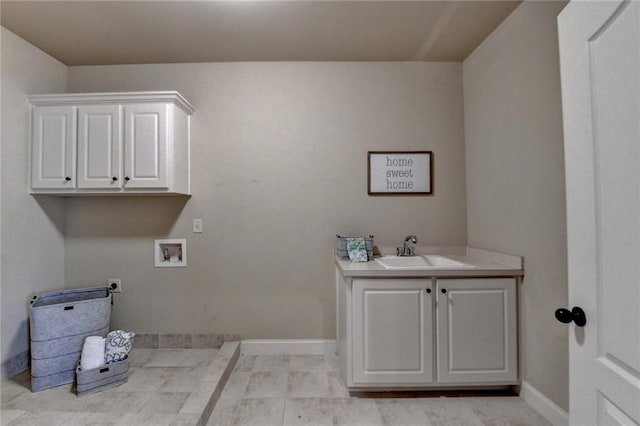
<point x="92" y="353"/>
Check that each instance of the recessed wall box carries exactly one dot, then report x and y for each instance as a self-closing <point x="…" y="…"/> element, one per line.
<point x="171" y="253"/>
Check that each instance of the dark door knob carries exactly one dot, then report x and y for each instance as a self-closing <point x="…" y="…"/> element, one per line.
<point x="114" y="178"/>
<point x="126" y="178"/>
<point x="576" y="315"/>
<point x="67" y="178"/>
<point x="444" y="290"/>
<point x="429" y="290"/>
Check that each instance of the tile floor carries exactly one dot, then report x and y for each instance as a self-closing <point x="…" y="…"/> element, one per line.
<point x="307" y="390"/>
<point x="175" y="387"/>
<point x="165" y="387"/>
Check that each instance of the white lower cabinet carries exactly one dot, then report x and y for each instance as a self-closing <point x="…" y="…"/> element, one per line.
<point x="429" y="332"/>
<point x="392" y="331"/>
<point x="477" y="330"/>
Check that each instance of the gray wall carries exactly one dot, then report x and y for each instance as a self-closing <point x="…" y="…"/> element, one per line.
<point x="31" y="229"/>
<point x="515" y="176"/>
<point x="278" y="168"/>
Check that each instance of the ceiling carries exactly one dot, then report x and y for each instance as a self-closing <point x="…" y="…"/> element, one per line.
<point x="138" y="32"/>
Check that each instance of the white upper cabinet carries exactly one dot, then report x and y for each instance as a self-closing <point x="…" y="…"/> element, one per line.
<point x="99" y="147"/>
<point x="145" y="159"/>
<point x="53" y="152"/>
<point x="110" y="143"/>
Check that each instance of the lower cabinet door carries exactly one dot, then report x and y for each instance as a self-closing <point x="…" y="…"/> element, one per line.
<point x="393" y="331"/>
<point x="477" y="331"/>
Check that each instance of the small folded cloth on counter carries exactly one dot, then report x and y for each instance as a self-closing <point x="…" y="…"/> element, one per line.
<point x="117" y="345"/>
<point x="92" y="355"/>
<point x="357" y="249"/>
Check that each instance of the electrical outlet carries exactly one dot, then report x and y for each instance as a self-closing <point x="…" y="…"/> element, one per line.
<point x="115" y="285"/>
<point x="197" y="225"/>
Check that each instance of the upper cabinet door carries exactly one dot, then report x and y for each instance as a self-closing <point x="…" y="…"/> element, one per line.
<point x="100" y="146"/>
<point x="146" y="145"/>
<point x="53" y="152"/>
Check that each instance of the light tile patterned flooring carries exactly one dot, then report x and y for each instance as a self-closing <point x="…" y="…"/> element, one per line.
<point x="165" y="387"/>
<point x="168" y="386"/>
<point x="307" y="390"/>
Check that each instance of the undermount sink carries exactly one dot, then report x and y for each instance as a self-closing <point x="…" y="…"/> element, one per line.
<point x="429" y="261"/>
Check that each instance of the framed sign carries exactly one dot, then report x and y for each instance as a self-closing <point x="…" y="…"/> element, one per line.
<point x="400" y="173"/>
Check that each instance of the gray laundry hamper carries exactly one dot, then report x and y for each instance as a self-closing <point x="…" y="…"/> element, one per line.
<point x="59" y="323"/>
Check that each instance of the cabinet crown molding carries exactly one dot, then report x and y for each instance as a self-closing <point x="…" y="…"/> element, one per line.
<point x="113" y="97"/>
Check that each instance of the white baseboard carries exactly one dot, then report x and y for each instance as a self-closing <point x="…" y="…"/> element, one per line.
<point x="543" y="405"/>
<point x="288" y="347"/>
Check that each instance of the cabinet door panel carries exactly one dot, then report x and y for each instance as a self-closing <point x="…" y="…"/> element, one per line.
<point x="477" y="330"/>
<point x="53" y="151"/>
<point x="392" y="331"/>
<point x="146" y="145"/>
<point x="99" y="147"/>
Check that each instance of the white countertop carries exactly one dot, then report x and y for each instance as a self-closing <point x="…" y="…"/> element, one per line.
<point x="486" y="264"/>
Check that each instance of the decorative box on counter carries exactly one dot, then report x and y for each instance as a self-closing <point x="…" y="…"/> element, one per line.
<point x="101" y="378"/>
<point x="341" y="246"/>
<point x="59" y="323"/>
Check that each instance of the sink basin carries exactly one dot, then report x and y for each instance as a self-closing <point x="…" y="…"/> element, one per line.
<point x="429" y="261"/>
<point x="443" y="262"/>
<point x="403" y="262"/>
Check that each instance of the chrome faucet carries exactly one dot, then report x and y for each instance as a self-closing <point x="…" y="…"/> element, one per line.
<point x="405" y="250"/>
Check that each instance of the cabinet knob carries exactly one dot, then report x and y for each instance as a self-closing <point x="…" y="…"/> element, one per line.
<point x="429" y="290"/>
<point x="444" y="290"/>
<point x="67" y="178"/>
<point x="127" y="178"/>
<point x="114" y="178"/>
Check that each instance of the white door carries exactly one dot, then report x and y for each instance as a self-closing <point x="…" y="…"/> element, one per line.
<point x="392" y="331"/>
<point x="477" y="331"/>
<point x="53" y="147"/>
<point x="99" y="147"/>
<point x="146" y="145"/>
<point x="600" y="67"/>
